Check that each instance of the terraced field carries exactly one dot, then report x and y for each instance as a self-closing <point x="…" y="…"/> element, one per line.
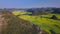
<point x="49" y="25"/>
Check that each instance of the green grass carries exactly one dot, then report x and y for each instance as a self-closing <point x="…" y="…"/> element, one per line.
<point x="44" y="22"/>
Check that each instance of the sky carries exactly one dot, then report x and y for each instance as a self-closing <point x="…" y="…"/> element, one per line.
<point x="29" y="3"/>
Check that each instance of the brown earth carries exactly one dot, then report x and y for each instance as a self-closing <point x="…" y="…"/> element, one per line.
<point x="10" y="24"/>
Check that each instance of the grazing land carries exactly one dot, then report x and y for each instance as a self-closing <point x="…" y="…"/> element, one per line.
<point x="52" y="26"/>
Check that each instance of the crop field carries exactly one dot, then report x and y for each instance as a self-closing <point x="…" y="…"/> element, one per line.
<point x="44" y="21"/>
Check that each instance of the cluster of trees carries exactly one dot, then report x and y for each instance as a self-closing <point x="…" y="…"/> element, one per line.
<point x="56" y="10"/>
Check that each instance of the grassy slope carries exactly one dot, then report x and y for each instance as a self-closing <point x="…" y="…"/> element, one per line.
<point x="45" y="23"/>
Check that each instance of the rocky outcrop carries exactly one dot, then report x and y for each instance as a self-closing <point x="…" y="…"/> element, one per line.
<point x="10" y="24"/>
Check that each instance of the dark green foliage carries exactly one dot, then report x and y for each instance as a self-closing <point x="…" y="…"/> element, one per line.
<point x="52" y="32"/>
<point x="54" y="17"/>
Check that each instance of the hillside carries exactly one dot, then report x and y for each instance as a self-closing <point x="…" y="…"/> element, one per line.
<point x="10" y="24"/>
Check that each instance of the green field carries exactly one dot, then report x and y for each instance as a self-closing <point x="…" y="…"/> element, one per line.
<point x="43" y="21"/>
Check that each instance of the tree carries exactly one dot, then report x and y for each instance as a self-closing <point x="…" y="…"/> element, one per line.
<point x="54" y="17"/>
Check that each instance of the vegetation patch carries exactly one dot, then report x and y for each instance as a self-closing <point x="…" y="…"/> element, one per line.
<point x="44" y="21"/>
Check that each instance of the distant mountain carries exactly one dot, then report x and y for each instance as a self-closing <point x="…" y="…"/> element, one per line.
<point x="55" y="10"/>
<point x="46" y="10"/>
